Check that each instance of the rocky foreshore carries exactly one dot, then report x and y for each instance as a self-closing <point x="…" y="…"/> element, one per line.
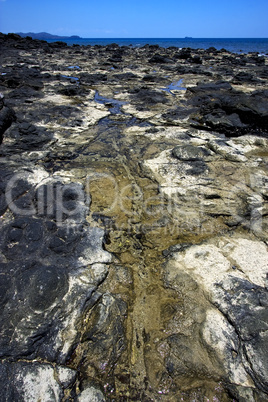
<point x="134" y="217"/>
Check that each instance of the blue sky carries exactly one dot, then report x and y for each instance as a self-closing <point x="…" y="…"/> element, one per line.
<point x="137" y="19"/>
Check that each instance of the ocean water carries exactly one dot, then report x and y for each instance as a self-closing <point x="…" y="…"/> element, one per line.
<point x="234" y="45"/>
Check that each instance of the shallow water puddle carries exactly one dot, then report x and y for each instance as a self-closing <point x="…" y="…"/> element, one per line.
<point x="174" y="86"/>
<point x="113" y="104"/>
<point x="70" y="78"/>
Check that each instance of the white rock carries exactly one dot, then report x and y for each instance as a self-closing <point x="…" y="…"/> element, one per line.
<point x="91" y="395"/>
<point x="66" y="375"/>
<point x="222" y="338"/>
<point x="39" y="385"/>
<point x="252" y="258"/>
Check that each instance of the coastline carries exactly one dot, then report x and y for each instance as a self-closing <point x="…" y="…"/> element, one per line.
<point x="236" y="45"/>
<point x="133" y="209"/>
<point x="241" y="45"/>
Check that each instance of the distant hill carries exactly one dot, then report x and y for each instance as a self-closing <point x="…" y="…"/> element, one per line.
<point x="45" y="36"/>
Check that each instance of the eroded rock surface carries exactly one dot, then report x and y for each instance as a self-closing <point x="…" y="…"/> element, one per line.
<point x="133" y="201"/>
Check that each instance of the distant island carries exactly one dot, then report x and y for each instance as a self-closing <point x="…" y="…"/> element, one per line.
<point x="45" y="36"/>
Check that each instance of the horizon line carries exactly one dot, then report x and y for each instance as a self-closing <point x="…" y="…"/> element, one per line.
<point x="133" y="37"/>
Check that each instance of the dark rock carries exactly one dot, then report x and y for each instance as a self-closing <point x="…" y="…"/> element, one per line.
<point x="69" y="91"/>
<point x="112" y="47"/>
<point x="13" y="36"/>
<point x="149" y="97"/>
<point x="263" y="73"/>
<point x="229" y="111"/>
<point x="212" y="49"/>
<point x="158" y="58"/>
<point x="197" y="168"/>
<point x="196" y="60"/>
<point x="58" y="44"/>
<point x="178" y="114"/>
<point x="194" y="155"/>
<point x="183" y="54"/>
<point x="125" y="76"/>
<point x="21" y="93"/>
<point x="245" y="306"/>
<point x="201" y="88"/>
<point x="150" y="78"/>
<point x="244" y="77"/>
<point x="181" y="360"/>
<point x="190" y="153"/>
<point x="176" y="248"/>
<point x="92" y="78"/>
<point x="40" y="256"/>
<point x="258" y="60"/>
<point x="104" y="337"/>
<point x="7" y="116"/>
<point x="30" y="77"/>
<point x="115" y="59"/>
<point x="42" y="286"/>
<point x="27" y="136"/>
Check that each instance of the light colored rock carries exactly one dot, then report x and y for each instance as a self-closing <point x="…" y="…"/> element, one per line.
<point x="94" y="253"/>
<point x="251" y="257"/>
<point x="94" y="113"/>
<point x="210" y="264"/>
<point x="228" y="150"/>
<point x="137" y="113"/>
<point x="39" y="384"/>
<point x="220" y="335"/>
<point x="91" y="395"/>
<point x="66" y="376"/>
<point x="172" y="174"/>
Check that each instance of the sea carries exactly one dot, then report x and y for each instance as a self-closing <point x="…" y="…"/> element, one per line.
<point x="235" y="45"/>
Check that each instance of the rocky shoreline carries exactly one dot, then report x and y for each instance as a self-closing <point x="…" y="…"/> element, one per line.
<point x="133" y="205"/>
